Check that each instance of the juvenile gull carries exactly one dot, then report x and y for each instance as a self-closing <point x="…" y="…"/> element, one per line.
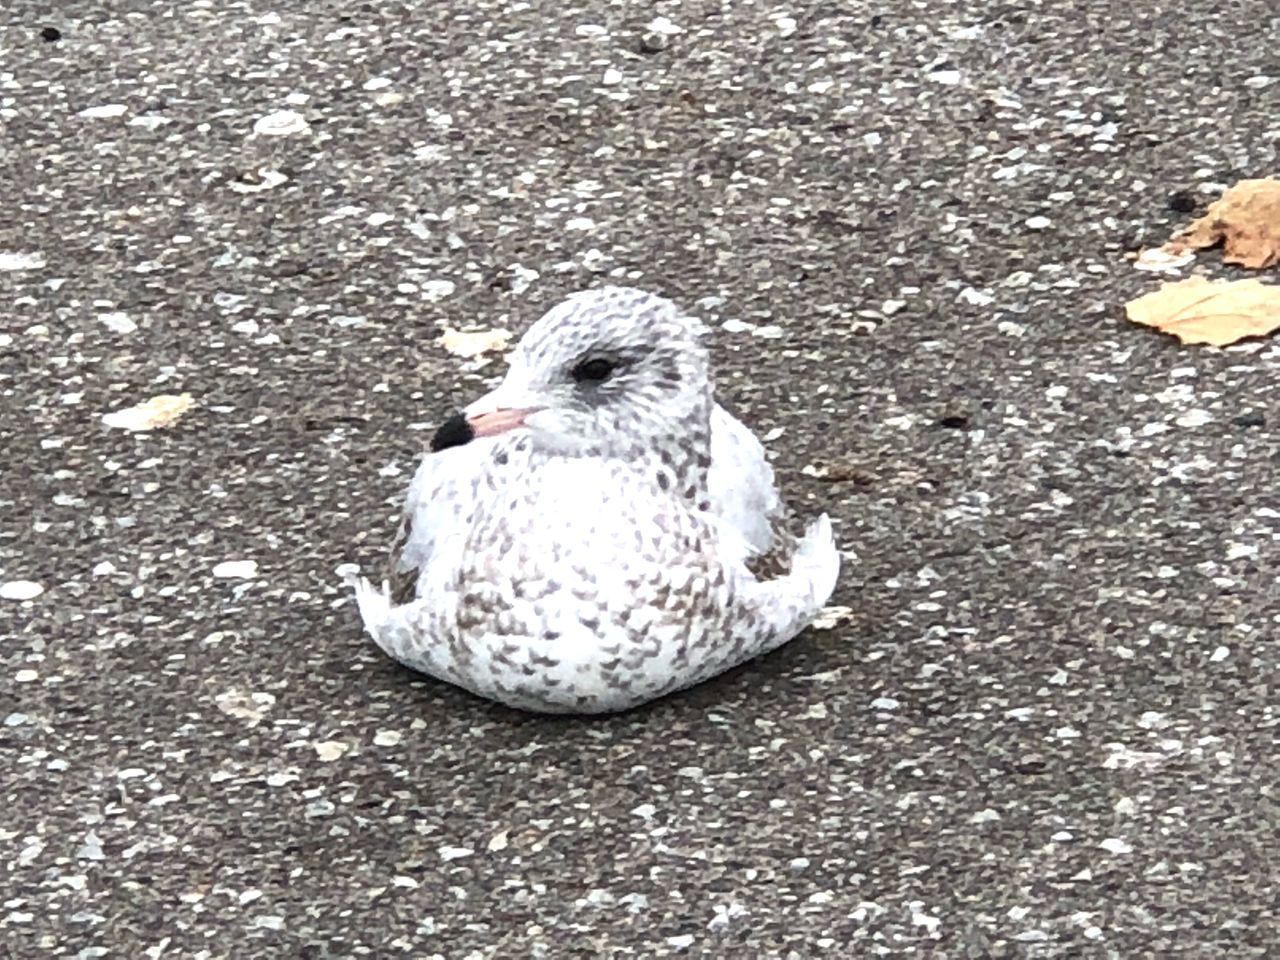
<point x="597" y="531"/>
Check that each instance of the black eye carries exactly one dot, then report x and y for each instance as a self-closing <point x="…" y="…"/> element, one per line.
<point x="593" y="371"/>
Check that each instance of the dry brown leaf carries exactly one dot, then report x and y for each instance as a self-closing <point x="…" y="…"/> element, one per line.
<point x="474" y="343"/>
<point x="1245" y="220"/>
<point x="1218" y="312"/>
<point x="157" y="412"/>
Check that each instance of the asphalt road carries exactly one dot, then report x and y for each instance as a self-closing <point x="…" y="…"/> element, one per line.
<point x="1048" y="727"/>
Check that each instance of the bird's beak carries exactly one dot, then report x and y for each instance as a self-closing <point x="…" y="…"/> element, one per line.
<point x="500" y="411"/>
<point x="494" y="422"/>
<point x="493" y="414"/>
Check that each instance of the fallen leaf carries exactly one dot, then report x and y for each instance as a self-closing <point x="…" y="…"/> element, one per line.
<point x="1245" y="220"/>
<point x="473" y="343"/>
<point x="1217" y="312"/>
<point x="159" y="411"/>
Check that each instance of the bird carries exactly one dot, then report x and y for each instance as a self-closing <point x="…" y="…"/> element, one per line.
<point x="597" y="531"/>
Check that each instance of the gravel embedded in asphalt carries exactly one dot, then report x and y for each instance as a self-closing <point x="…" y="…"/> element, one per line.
<point x="1047" y="725"/>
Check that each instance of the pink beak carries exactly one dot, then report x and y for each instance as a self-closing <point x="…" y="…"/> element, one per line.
<point x="494" y="422"/>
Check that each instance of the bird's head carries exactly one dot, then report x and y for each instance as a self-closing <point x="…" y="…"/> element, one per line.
<point x="613" y="372"/>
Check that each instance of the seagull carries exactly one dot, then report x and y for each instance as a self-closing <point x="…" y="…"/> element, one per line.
<point x="596" y="532"/>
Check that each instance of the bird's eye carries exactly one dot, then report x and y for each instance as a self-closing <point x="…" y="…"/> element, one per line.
<point x="593" y="371"/>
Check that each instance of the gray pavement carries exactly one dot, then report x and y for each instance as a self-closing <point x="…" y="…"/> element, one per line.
<point x="1048" y="727"/>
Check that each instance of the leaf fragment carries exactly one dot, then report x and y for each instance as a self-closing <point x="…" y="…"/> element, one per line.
<point x="1245" y="220"/>
<point x="474" y="343"/>
<point x="160" y="411"/>
<point x="1217" y="312"/>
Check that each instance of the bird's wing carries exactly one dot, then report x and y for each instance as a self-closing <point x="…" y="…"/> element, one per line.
<point x="436" y="508"/>
<point x="741" y="486"/>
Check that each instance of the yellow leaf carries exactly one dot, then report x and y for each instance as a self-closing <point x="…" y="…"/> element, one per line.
<point x="473" y="343"/>
<point x="1217" y="312"/>
<point x="157" y="412"/>
<point x="1246" y="221"/>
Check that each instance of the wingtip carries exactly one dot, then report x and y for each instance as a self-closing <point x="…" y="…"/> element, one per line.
<point x="820" y="557"/>
<point x="374" y="603"/>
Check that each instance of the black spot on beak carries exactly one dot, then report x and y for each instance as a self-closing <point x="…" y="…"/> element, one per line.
<point x="454" y="432"/>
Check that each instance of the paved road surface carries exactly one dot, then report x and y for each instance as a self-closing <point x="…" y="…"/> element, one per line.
<point x="1049" y="727"/>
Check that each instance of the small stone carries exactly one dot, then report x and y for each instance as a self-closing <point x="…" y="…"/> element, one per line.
<point x="448" y="854"/>
<point x="329" y="750"/>
<point x="1194" y="418"/>
<point x="260" y="180"/>
<point x="91" y="849"/>
<point x="21" y="261"/>
<point x="236" y="569"/>
<point x="387" y="738"/>
<point x="975" y="297"/>
<point x="829" y="618"/>
<point x="1038" y="223"/>
<point x="245" y="706"/>
<point x="281" y="123"/>
<point x="117" y="322"/>
<point x="651" y="42"/>
<point x="1116" y="846"/>
<point x="665" y="27"/>
<point x="20" y="590"/>
<point x="104" y="112"/>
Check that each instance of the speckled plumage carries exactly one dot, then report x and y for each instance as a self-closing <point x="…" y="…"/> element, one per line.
<point x="600" y="555"/>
